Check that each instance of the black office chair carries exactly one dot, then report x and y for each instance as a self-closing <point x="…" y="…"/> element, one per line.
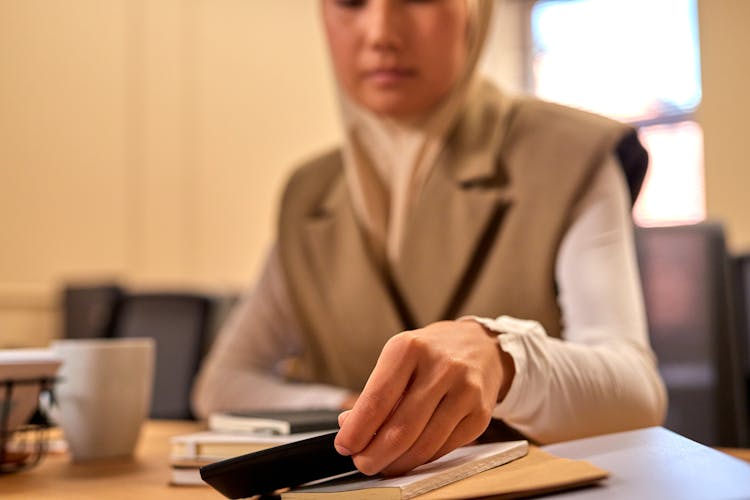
<point x="688" y="291"/>
<point x="221" y="307"/>
<point x="88" y="310"/>
<point x="742" y="272"/>
<point x="178" y="323"/>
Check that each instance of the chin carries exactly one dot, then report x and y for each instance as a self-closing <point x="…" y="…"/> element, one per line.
<point x="393" y="106"/>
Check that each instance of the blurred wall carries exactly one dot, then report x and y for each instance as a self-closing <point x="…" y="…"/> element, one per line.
<point x="148" y="141"/>
<point x="725" y="114"/>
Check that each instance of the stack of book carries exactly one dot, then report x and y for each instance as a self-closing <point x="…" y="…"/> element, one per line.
<point x="468" y="472"/>
<point x="510" y="469"/>
<point x="234" y="434"/>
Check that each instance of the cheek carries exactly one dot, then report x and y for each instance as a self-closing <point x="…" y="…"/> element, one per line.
<point x="344" y="61"/>
<point x="341" y="44"/>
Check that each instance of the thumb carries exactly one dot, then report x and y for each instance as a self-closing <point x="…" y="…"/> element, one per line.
<point x="343" y="416"/>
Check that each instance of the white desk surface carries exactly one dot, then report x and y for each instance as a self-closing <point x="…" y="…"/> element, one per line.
<point x="655" y="463"/>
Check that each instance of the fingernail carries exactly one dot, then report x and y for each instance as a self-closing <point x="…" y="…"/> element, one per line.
<point x="342" y="451"/>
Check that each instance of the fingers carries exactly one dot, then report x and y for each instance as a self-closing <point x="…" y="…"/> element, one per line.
<point x="437" y="431"/>
<point x="348" y="402"/>
<point x="342" y="417"/>
<point x="405" y="425"/>
<point x="439" y="399"/>
<point x="470" y="428"/>
<point x="431" y="391"/>
<point x="452" y="425"/>
<point x="383" y="390"/>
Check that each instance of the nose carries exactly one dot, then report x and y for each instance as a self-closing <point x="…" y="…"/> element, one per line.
<point x="384" y="21"/>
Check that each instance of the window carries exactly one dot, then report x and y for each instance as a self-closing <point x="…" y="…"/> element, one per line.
<point x="636" y="61"/>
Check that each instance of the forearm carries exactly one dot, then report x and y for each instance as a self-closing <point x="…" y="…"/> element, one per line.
<point x="602" y="376"/>
<point x="242" y="388"/>
<point x="241" y="371"/>
<point x="563" y="390"/>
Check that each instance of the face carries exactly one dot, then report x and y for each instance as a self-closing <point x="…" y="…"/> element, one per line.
<point x="397" y="58"/>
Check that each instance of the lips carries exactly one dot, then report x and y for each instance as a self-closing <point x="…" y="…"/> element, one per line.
<point x="389" y="76"/>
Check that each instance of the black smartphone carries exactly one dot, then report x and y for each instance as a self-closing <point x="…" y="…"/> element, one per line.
<point x="285" y="466"/>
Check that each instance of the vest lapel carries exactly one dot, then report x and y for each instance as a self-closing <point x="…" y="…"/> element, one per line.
<point x="463" y="199"/>
<point x="461" y="205"/>
<point x="443" y="238"/>
<point x="348" y="278"/>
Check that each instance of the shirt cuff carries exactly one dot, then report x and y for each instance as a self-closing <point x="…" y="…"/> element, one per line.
<point x="512" y="336"/>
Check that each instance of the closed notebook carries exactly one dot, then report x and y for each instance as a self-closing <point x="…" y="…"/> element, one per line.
<point x="459" y="464"/>
<point x="208" y="445"/>
<point x="278" y="422"/>
<point x="186" y="476"/>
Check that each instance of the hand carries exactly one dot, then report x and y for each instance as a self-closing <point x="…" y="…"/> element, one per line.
<point x="348" y="402"/>
<point x="432" y="390"/>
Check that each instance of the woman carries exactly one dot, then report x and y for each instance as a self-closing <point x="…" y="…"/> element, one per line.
<point x="450" y="204"/>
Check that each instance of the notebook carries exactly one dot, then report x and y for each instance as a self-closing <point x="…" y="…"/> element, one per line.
<point x="279" y="422"/>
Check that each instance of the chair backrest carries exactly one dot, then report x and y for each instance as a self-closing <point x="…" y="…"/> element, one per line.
<point x="88" y="310"/>
<point x="178" y="323"/>
<point x="742" y="272"/>
<point x="221" y="307"/>
<point x="688" y="292"/>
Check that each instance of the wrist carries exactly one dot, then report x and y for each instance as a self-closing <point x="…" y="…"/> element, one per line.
<point x="508" y="366"/>
<point x="509" y="372"/>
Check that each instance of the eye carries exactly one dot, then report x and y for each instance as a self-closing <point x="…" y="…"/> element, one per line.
<point x="351" y="4"/>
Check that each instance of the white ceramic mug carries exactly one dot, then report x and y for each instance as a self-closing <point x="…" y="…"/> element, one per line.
<point x="104" y="394"/>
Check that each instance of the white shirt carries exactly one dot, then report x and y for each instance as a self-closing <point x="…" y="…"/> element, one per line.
<point x="601" y="377"/>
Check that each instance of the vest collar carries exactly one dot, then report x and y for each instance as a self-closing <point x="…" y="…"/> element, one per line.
<point x="462" y="201"/>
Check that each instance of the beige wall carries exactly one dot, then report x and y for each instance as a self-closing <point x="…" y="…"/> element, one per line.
<point x="725" y="114"/>
<point x="147" y="141"/>
<point x="63" y="209"/>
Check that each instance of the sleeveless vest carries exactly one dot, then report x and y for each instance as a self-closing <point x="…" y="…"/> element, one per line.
<point x="482" y="238"/>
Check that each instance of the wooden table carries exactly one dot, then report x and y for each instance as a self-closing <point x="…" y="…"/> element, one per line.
<point x="741" y="453"/>
<point x="648" y="463"/>
<point x="143" y="477"/>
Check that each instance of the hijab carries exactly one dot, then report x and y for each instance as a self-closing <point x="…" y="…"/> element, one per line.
<point x="386" y="161"/>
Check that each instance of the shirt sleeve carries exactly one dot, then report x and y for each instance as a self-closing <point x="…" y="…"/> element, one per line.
<point x="243" y="369"/>
<point x="602" y="376"/>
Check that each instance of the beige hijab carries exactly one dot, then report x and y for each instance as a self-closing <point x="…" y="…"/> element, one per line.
<point x="386" y="162"/>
